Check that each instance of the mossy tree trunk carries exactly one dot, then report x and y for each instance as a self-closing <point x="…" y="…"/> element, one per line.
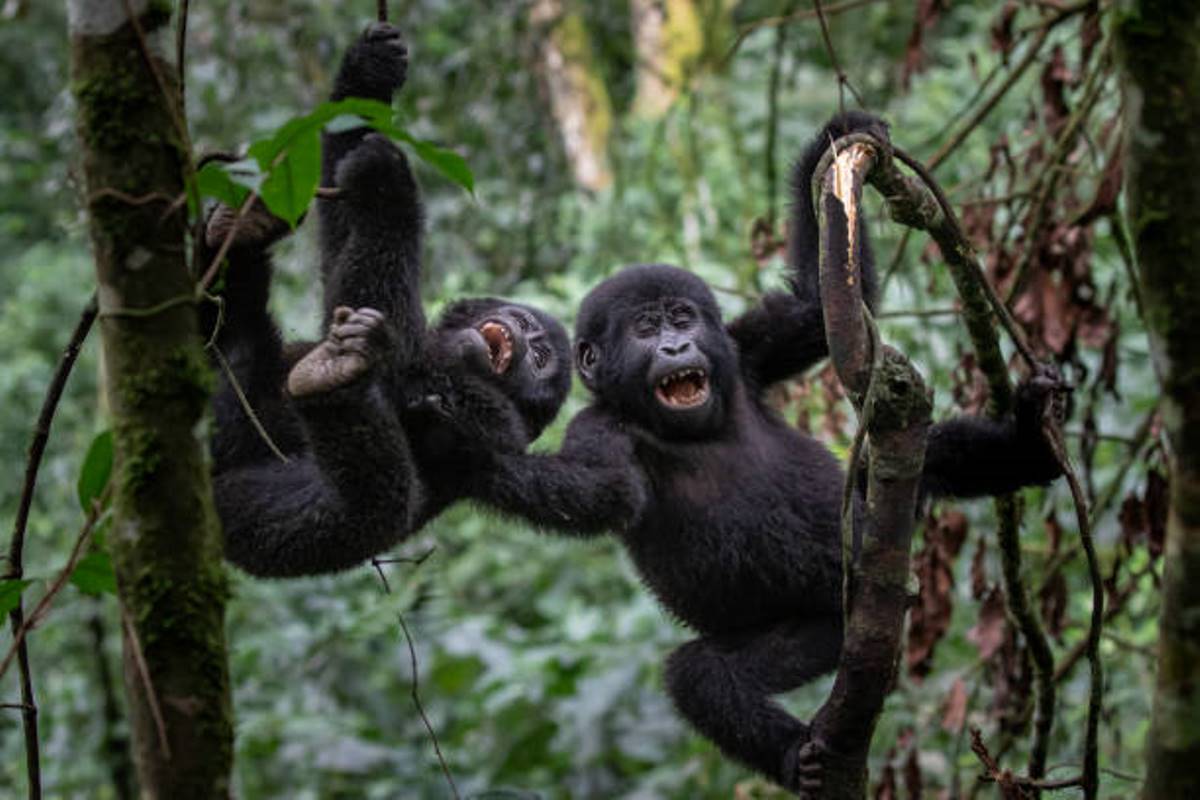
<point x="165" y="541"/>
<point x="1160" y="51"/>
<point x="579" y="99"/>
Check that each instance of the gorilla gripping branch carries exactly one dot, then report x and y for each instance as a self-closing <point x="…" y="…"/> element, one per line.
<point x="894" y="409"/>
<point x="894" y="412"/>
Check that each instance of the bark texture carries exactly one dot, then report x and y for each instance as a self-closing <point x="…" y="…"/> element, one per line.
<point x="895" y="408"/>
<point x="165" y="540"/>
<point x="1159" y="46"/>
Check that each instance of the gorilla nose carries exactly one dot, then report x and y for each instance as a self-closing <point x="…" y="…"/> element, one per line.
<point x="674" y="348"/>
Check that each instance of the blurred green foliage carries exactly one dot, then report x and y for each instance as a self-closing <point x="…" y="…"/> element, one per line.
<point x="539" y="658"/>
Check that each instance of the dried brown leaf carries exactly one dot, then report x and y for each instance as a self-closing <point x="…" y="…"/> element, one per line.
<point x="954" y="713"/>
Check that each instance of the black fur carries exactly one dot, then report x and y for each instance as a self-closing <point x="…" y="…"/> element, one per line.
<point x="372" y="457"/>
<point x="732" y="516"/>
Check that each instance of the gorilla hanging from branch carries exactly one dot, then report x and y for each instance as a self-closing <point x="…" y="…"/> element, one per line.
<point x="384" y="423"/>
<point x="730" y="515"/>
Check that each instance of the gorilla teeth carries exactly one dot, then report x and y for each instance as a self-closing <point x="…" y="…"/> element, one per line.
<point x="686" y="388"/>
<point x="500" y="345"/>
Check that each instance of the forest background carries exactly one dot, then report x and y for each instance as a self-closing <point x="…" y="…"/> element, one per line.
<point x="599" y="134"/>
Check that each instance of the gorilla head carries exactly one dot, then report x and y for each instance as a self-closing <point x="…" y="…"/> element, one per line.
<point x="521" y="350"/>
<point x="650" y="343"/>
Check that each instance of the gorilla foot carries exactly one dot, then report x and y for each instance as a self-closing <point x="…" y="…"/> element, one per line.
<point x="344" y="356"/>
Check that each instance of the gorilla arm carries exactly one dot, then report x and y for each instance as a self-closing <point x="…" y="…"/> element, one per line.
<point x="591" y="487"/>
<point x="785" y="333"/>
<point x="373" y="68"/>
<point x="977" y="457"/>
<point x="354" y="494"/>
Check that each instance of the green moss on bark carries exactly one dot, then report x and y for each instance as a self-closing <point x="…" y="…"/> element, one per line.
<point x="1159" y="45"/>
<point x="165" y="541"/>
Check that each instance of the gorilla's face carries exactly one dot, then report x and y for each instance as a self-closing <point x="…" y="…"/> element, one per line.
<point x="664" y="365"/>
<point x="521" y="350"/>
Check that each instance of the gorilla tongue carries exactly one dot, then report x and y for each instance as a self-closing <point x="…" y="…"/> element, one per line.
<point x="499" y="342"/>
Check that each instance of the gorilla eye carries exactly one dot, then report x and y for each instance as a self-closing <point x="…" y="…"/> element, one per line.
<point x="541" y="355"/>
<point x="587" y="355"/>
<point x="522" y="321"/>
<point x="682" y="315"/>
<point x="646" y="325"/>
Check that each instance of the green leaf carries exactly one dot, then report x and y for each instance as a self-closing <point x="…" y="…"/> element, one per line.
<point x="96" y="470"/>
<point x="379" y="116"/>
<point x="447" y="162"/>
<point x="94" y="574"/>
<point x="292" y="162"/>
<point x="10" y="593"/>
<point x="213" y="180"/>
<point x="289" y="161"/>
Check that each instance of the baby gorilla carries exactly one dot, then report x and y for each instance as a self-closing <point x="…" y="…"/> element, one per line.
<point x="730" y="515"/>
<point x="384" y="423"/>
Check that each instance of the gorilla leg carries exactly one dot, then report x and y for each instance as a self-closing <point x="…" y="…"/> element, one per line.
<point x="248" y="341"/>
<point x="723" y="686"/>
<point x="354" y="495"/>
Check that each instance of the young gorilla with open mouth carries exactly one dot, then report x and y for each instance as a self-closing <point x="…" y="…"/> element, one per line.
<point x="731" y="515"/>
<point x="383" y="423"/>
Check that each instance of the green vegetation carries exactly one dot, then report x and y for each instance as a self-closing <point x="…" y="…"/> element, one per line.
<point x="540" y="658"/>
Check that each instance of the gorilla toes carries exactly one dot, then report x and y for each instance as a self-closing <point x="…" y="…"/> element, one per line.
<point x="345" y="354"/>
<point x="258" y="228"/>
<point x="376" y="65"/>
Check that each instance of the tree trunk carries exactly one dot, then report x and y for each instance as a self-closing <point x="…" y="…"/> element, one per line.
<point x="668" y="38"/>
<point x="164" y="539"/>
<point x="1160" y="52"/>
<point x="578" y="97"/>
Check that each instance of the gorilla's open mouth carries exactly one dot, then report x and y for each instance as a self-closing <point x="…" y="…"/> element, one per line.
<point x="500" y="345"/>
<point x="685" y="388"/>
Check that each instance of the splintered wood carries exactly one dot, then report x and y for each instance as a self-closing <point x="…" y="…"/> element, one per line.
<point x="847" y="170"/>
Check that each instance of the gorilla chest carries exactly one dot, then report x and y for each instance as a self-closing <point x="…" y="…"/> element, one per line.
<point x="741" y="541"/>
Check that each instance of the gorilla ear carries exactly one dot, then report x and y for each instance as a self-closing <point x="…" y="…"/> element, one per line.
<point x="587" y="358"/>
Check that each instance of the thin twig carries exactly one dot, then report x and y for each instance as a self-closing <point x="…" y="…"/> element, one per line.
<point x="16" y="545"/>
<point x="967" y="252"/>
<point x="245" y="403"/>
<point x="215" y="264"/>
<point x="769" y="166"/>
<point x="843" y="80"/>
<point x="1090" y="780"/>
<point x="181" y="50"/>
<point x="808" y="13"/>
<point x="990" y="104"/>
<point x="415" y="684"/>
<point x="920" y="313"/>
<point x="143" y="670"/>
<point x="1050" y="174"/>
<point x="64" y="575"/>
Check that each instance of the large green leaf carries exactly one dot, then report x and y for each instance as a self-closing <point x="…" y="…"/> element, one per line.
<point x="292" y="163"/>
<point x="229" y="183"/>
<point x="10" y="593"/>
<point x="96" y="470"/>
<point x="289" y="161"/>
<point x="94" y="574"/>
